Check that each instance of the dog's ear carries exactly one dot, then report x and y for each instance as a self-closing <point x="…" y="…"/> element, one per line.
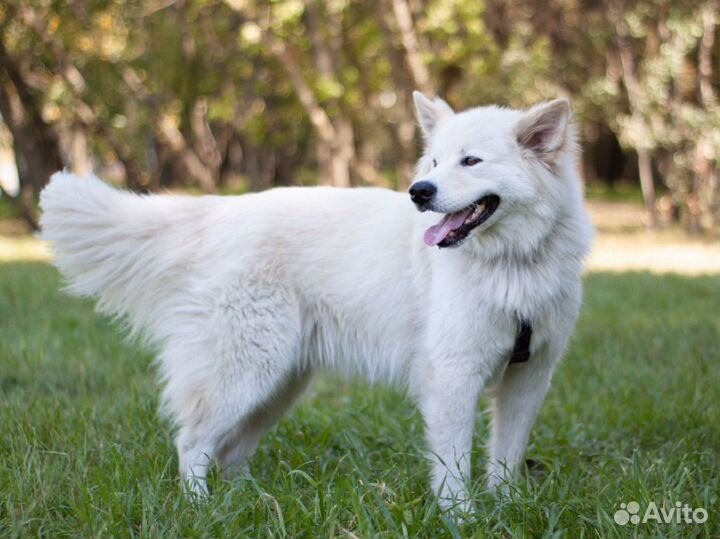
<point x="544" y="129"/>
<point x="430" y="111"/>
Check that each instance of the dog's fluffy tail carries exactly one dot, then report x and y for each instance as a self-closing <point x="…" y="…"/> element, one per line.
<point x="127" y="250"/>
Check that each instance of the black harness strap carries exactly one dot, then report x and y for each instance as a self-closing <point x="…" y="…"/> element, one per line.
<point x="521" y="349"/>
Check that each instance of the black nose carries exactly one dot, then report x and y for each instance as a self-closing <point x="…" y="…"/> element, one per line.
<point x="422" y="192"/>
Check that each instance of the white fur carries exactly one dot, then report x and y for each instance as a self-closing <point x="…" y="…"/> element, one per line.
<point x="246" y="296"/>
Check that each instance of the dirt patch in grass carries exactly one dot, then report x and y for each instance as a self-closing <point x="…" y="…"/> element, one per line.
<point x="624" y="244"/>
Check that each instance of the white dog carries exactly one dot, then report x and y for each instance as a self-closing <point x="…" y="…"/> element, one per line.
<point x="246" y="296"/>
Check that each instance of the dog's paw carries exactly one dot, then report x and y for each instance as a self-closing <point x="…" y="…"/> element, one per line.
<point x="460" y="508"/>
<point x="195" y="490"/>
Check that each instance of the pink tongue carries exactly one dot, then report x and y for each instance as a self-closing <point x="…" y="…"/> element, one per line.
<point x="436" y="233"/>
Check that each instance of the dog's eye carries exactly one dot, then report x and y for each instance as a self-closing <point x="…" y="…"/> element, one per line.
<point x="470" y="161"/>
<point x="434" y="163"/>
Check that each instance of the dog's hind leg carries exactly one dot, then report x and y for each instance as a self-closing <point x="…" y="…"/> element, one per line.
<point x="232" y="439"/>
<point x="237" y="451"/>
<point x="254" y="340"/>
<point x="196" y="451"/>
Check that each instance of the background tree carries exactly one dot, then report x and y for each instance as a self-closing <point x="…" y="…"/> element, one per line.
<point x="237" y="94"/>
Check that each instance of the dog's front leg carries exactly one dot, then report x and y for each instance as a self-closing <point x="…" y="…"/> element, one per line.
<point x="448" y="404"/>
<point x="515" y="406"/>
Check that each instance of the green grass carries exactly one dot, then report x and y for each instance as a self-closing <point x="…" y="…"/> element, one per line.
<point x="6" y="209"/>
<point x="633" y="415"/>
<point x="621" y="191"/>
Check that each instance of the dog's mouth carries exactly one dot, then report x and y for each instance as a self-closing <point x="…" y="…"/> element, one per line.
<point x="455" y="227"/>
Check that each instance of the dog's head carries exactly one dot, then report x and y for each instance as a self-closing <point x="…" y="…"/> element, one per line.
<point x="498" y="175"/>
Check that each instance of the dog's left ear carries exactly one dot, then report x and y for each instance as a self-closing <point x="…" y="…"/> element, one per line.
<point x="544" y="129"/>
<point x="430" y="111"/>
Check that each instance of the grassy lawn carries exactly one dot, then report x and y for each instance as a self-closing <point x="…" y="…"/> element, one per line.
<point x="634" y="415"/>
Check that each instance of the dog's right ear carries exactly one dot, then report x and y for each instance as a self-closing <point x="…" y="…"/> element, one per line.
<point x="430" y="111"/>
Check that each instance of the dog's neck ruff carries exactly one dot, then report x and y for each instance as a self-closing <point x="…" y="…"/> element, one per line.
<point x="521" y="349"/>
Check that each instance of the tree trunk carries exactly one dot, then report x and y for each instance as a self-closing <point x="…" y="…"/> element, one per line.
<point x="404" y="128"/>
<point x="333" y="147"/>
<point x="633" y="90"/>
<point x="323" y="29"/>
<point x="647" y="184"/>
<point x="80" y="162"/>
<point x="411" y="46"/>
<point x="342" y="152"/>
<point x="36" y="145"/>
<point x="701" y="206"/>
<point x="177" y="147"/>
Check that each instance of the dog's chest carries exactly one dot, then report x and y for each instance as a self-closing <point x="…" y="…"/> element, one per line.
<point x="503" y="306"/>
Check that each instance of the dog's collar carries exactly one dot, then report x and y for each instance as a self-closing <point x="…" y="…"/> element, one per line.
<point x="521" y="349"/>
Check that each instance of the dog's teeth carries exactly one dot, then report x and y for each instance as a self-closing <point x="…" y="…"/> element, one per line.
<point x="477" y="211"/>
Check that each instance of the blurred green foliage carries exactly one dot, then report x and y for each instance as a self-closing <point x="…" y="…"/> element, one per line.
<point x="239" y="94"/>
